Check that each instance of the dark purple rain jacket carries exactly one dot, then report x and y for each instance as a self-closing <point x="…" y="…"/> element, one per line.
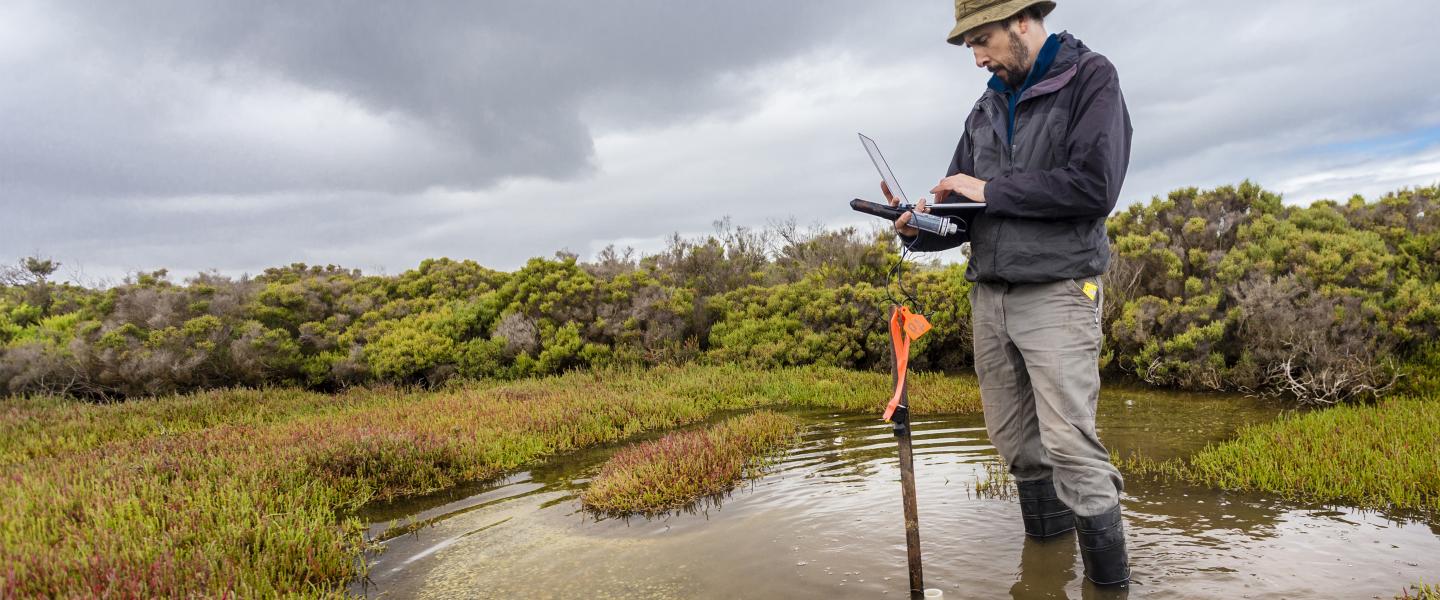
<point x="1050" y="189"/>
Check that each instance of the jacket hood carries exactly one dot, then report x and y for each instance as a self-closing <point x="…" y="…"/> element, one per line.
<point x="1071" y="49"/>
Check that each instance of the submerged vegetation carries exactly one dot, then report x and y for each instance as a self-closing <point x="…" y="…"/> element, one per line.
<point x="1378" y="456"/>
<point x="1219" y="289"/>
<point x="997" y="483"/>
<point x="252" y="493"/>
<point x="680" y="468"/>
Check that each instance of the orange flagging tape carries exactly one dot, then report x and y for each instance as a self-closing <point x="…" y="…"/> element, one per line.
<point x="905" y="326"/>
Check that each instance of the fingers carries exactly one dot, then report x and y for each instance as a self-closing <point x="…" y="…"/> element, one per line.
<point x="964" y="187"/>
<point x="902" y="226"/>
<point x="885" y="189"/>
<point x="945" y="186"/>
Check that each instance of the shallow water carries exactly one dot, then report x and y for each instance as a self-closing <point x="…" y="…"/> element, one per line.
<point x="827" y="523"/>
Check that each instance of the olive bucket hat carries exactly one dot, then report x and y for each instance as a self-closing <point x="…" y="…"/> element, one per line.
<point x="970" y="14"/>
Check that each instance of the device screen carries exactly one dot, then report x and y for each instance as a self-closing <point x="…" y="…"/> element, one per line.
<point x="884" y="168"/>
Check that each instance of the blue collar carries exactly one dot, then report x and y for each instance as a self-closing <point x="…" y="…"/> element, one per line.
<point x="1047" y="55"/>
<point x="1037" y="73"/>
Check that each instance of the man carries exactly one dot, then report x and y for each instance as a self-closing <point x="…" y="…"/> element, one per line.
<point x="1046" y="149"/>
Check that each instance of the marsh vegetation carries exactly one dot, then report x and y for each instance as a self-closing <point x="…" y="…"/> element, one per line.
<point x="682" y="468"/>
<point x="254" y="492"/>
<point x="223" y="435"/>
<point x="1382" y="456"/>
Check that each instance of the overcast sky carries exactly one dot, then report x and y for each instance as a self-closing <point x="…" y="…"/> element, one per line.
<point x="201" y="134"/>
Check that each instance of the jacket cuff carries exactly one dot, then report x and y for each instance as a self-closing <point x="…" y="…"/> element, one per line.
<point x="1000" y="197"/>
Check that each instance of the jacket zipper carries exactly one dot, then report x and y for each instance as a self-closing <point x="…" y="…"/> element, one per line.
<point x="1009" y="169"/>
<point x="1014" y="130"/>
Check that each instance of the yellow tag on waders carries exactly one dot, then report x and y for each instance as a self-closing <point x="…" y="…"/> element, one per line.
<point x="1090" y="288"/>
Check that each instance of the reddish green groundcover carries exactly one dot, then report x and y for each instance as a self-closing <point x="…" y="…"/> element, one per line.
<point x="680" y="468"/>
<point x="251" y="493"/>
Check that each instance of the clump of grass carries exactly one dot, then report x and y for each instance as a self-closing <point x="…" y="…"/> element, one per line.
<point x="1376" y="456"/>
<point x="681" y="468"/>
<point x="997" y="483"/>
<point x="253" y="493"/>
<point x="1423" y="591"/>
<point x="1144" y="466"/>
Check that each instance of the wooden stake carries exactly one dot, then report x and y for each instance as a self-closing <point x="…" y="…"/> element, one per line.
<point x="901" y="419"/>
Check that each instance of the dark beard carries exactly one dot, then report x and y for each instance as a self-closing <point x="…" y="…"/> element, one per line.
<point x="1016" y="74"/>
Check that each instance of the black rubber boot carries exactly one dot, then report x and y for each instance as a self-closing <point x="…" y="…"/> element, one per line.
<point x="1045" y="515"/>
<point x="1102" y="547"/>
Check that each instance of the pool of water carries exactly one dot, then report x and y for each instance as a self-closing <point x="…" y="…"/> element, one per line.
<point x="826" y="522"/>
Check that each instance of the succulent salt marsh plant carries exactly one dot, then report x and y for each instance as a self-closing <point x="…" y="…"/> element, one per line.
<point x="252" y="493"/>
<point x="1385" y="455"/>
<point x="682" y="468"/>
<point x="1423" y="591"/>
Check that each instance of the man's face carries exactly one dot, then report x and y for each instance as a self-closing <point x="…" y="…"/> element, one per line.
<point x="1000" y="50"/>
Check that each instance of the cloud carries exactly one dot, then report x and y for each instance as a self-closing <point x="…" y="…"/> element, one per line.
<point x="190" y="97"/>
<point x="1228" y="90"/>
<point x="196" y="135"/>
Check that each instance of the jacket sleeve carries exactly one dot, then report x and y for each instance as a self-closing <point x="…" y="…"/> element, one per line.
<point x="929" y="242"/>
<point x="1099" y="153"/>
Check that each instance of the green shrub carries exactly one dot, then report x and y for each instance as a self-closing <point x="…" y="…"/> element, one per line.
<point x="1230" y="289"/>
<point x="1217" y="289"/>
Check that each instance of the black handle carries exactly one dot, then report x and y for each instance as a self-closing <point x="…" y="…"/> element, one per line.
<point x="884" y="211"/>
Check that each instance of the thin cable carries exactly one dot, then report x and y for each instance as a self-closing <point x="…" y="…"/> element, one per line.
<point x="897" y="273"/>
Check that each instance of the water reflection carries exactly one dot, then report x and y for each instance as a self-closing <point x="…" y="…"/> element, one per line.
<point x="826" y="523"/>
<point x="1046" y="567"/>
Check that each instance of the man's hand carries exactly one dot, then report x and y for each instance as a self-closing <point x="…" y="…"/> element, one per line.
<point x="961" y="184"/>
<point x="902" y="224"/>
